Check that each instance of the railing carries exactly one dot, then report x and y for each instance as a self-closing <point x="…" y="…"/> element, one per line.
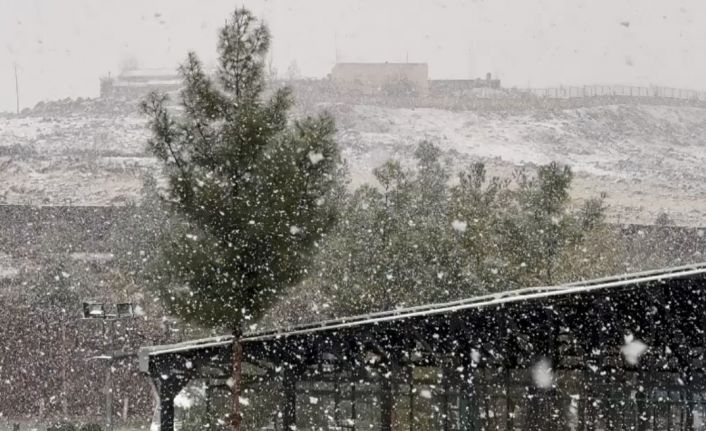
<point x="493" y="99"/>
<point x="589" y="91"/>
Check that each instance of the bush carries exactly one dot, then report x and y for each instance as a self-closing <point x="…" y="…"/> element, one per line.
<point x="62" y="426"/>
<point x="90" y="427"/>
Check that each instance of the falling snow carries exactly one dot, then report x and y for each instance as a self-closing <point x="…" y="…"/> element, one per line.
<point x="379" y="245"/>
<point x="542" y="374"/>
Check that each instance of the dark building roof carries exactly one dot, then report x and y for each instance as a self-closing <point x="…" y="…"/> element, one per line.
<point x="529" y="296"/>
<point x="647" y="327"/>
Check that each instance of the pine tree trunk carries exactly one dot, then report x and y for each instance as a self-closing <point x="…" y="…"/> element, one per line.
<point x="236" y="376"/>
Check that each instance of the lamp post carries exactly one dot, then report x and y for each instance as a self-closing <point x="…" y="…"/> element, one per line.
<point x="110" y="313"/>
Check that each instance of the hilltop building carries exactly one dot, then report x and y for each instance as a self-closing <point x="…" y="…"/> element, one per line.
<point x="346" y="79"/>
<point x="401" y="79"/>
<point x="139" y="82"/>
<point x="407" y="79"/>
<point x="462" y="86"/>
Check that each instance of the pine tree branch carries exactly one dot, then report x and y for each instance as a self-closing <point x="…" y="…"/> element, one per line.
<point x="177" y="161"/>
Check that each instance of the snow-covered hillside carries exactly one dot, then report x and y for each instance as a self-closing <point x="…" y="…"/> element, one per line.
<point x="78" y="159"/>
<point x="648" y="159"/>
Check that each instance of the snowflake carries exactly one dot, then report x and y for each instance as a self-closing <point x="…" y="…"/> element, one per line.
<point x="315" y="157"/>
<point x="632" y="350"/>
<point x="459" y="226"/>
<point x="542" y="374"/>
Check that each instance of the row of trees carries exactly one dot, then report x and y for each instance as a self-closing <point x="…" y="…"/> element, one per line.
<point x="418" y="236"/>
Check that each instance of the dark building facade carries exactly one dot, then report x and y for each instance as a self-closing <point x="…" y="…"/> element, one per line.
<point x="618" y="353"/>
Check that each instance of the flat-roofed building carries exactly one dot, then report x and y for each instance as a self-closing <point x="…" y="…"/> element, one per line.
<point x="139" y="82"/>
<point x="403" y="79"/>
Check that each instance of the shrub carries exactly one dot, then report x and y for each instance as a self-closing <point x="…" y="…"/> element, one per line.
<point x="91" y="427"/>
<point x="62" y="426"/>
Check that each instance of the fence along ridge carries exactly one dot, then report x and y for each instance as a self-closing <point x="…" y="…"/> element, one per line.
<point x="588" y="91"/>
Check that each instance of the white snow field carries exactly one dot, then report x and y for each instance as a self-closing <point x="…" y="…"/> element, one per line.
<point x="648" y="159"/>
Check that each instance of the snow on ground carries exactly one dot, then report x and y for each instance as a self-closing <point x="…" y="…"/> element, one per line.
<point x="75" y="134"/>
<point x="77" y="159"/>
<point x="70" y="180"/>
<point x="647" y="158"/>
<point x="9" y="268"/>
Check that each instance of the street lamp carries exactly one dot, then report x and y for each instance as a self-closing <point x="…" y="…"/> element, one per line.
<point x="109" y="312"/>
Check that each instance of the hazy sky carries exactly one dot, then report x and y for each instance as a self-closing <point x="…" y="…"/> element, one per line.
<point x="62" y="47"/>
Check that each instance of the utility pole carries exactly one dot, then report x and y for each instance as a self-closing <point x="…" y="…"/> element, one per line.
<point x="17" y="91"/>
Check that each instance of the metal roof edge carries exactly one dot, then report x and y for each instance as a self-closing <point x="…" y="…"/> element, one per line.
<point x="626" y="278"/>
<point x="502" y="298"/>
<point x="511" y="296"/>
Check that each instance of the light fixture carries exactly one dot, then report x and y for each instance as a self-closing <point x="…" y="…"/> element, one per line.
<point x="99" y="310"/>
<point x="93" y="310"/>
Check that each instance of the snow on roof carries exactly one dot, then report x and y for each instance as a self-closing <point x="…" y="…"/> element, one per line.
<point x="175" y="81"/>
<point x="186" y="345"/>
<point x="385" y="63"/>
<point x="145" y="353"/>
<point x="146" y="73"/>
<point x="101" y="357"/>
<point x="512" y="296"/>
<point x="92" y="257"/>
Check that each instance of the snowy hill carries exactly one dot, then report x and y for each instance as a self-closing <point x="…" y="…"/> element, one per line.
<point x="80" y="159"/>
<point x="648" y="159"/>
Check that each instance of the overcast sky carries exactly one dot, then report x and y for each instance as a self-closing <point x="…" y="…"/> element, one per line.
<point x="62" y="47"/>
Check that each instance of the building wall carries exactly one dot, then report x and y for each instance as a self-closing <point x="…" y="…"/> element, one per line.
<point x="128" y="90"/>
<point x="381" y="78"/>
<point x="461" y="87"/>
<point x="138" y="83"/>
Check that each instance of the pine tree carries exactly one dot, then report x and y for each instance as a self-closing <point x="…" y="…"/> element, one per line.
<point x="542" y="238"/>
<point x="249" y="187"/>
<point x="394" y="246"/>
<point x="477" y="210"/>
